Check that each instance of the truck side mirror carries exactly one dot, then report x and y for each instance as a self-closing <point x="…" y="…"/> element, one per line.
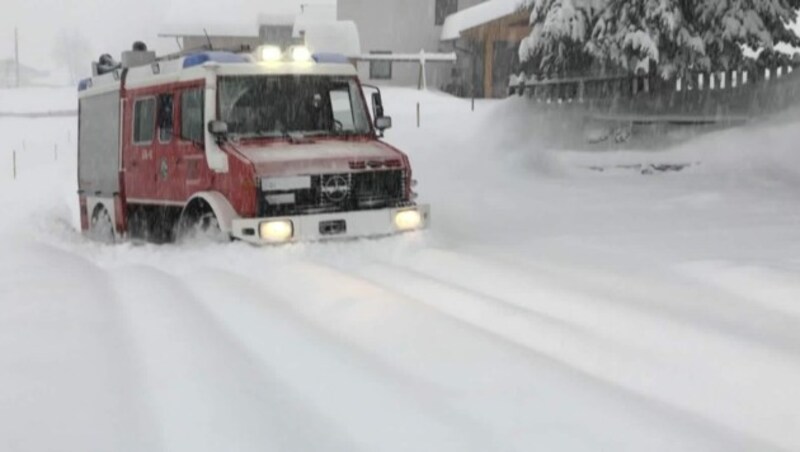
<point x="218" y="128"/>
<point x="383" y="123"/>
<point x="377" y="105"/>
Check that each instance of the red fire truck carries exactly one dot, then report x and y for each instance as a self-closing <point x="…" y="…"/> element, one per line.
<point x="271" y="147"/>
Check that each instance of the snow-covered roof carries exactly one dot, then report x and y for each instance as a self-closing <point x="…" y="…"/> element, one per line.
<point x="479" y="14"/>
<point x="193" y="67"/>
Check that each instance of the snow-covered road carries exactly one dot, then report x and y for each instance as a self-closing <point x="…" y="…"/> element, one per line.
<point x="563" y="301"/>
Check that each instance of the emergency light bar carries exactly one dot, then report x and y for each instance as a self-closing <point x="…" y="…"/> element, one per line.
<point x="270" y="53"/>
<point x="301" y="54"/>
<point x="198" y="59"/>
<point x="274" y="54"/>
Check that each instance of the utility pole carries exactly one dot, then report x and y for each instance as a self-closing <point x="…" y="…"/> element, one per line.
<point x="16" y="54"/>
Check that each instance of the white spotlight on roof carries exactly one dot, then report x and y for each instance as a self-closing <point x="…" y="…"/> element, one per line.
<point x="301" y="54"/>
<point x="270" y="53"/>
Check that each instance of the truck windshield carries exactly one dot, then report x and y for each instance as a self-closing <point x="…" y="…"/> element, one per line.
<point x="277" y="106"/>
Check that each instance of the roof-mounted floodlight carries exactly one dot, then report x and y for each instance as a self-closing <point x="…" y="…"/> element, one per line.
<point x="270" y="53"/>
<point x="301" y="54"/>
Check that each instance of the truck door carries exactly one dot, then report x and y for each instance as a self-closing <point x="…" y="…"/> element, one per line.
<point x="139" y="160"/>
<point x="191" y="163"/>
<point x="169" y="183"/>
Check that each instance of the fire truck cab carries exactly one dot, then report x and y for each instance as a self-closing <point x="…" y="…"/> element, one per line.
<point x="268" y="148"/>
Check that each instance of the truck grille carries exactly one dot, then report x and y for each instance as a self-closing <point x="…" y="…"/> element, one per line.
<point x="340" y="193"/>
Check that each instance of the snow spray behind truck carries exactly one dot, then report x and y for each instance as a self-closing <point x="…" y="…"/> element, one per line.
<point x="272" y="147"/>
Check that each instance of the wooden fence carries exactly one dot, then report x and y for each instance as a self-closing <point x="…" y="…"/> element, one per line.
<point x="702" y="98"/>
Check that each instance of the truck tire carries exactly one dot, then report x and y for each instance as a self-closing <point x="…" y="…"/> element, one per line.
<point x="199" y="222"/>
<point x="101" y="228"/>
<point x="152" y="224"/>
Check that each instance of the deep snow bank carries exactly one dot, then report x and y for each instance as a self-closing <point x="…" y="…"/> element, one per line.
<point x="501" y="174"/>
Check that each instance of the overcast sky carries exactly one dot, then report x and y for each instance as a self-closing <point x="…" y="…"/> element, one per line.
<point x="112" y="25"/>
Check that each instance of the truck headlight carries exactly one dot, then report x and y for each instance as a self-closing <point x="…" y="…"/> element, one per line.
<point x="277" y="231"/>
<point x="408" y="220"/>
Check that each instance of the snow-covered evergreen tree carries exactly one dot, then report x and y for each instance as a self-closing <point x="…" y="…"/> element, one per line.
<point x="560" y="31"/>
<point x="674" y="36"/>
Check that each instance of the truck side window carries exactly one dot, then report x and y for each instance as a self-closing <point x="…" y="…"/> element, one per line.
<point x="165" y="118"/>
<point x="192" y="105"/>
<point x="342" y="108"/>
<point x="144" y="120"/>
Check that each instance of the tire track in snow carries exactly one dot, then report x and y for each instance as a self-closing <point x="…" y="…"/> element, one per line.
<point x="380" y="408"/>
<point x="69" y="379"/>
<point x="770" y="288"/>
<point x="525" y="392"/>
<point x="691" y="296"/>
<point x="209" y="393"/>
<point x="719" y="379"/>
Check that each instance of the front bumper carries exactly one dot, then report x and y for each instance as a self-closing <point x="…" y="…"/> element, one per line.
<point x="331" y="226"/>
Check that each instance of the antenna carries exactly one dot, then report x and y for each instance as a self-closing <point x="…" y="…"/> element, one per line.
<point x="210" y="45"/>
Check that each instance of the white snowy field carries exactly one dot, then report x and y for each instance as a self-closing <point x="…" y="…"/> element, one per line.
<point x="562" y="301"/>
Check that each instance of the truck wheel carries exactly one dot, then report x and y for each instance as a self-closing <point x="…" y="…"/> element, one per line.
<point x="102" y="227"/>
<point x="208" y="225"/>
<point x="199" y="222"/>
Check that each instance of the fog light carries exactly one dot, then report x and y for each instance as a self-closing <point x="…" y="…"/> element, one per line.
<point x="408" y="220"/>
<point x="277" y="231"/>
